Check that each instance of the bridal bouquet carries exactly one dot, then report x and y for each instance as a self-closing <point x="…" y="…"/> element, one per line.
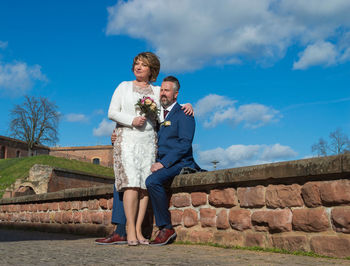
<point x="148" y="107"/>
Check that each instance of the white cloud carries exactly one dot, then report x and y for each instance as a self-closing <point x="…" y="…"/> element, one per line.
<point x="105" y="128"/>
<point x="277" y="151"/>
<point x="17" y="78"/>
<point x="76" y="118"/>
<point x="3" y="45"/>
<point x="211" y="101"/>
<point x="244" y="155"/>
<point x="321" y="53"/>
<point x="214" y="109"/>
<point x="98" y="112"/>
<point x="190" y="34"/>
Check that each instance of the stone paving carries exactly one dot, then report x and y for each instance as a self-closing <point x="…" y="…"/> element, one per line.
<point x="38" y="248"/>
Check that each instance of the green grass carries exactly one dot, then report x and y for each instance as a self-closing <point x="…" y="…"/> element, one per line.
<point x="18" y="168"/>
<point x="260" y="249"/>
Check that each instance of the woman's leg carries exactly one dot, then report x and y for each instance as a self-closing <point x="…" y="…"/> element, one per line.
<point x="143" y="197"/>
<point x="131" y="202"/>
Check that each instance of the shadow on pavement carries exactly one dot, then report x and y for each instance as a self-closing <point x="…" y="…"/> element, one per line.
<point x="10" y="235"/>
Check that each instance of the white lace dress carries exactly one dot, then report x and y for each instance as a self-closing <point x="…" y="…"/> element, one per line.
<point x="135" y="148"/>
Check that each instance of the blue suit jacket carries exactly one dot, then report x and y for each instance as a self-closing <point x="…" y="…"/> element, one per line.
<point x="175" y="140"/>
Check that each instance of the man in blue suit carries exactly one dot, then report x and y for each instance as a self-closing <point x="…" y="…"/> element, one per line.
<point x="174" y="153"/>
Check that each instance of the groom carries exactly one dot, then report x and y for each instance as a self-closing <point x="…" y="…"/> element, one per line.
<point x="174" y="153"/>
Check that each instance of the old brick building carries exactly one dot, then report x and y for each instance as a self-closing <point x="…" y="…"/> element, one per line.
<point x="12" y="148"/>
<point x="101" y="154"/>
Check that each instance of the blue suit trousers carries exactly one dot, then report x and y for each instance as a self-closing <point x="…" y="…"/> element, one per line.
<point x="118" y="214"/>
<point x="155" y="184"/>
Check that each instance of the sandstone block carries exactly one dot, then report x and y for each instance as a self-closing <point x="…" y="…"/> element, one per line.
<point x="34" y="207"/>
<point x="110" y="204"/>
<point x="64" y="205"/>
<point x="282" y="196"/>
<point x="77" y="217"/>
<point x="341" y="219"/>
<point x="53" y="206"/>
<point x="222" y="220"/>
<point x="76" y="205"/>
<point x="240" y="219"/>
<point x="274" y="221"/>
<point x="331" y="246"/>
<point x="24" y="208"/>
<point x="58" y="217"/>
<point x="35" y="217"/>
<point x="223" y="197"/>
<point x="310" y="220"/>
<point x="201" y="236"/>
<point x="27" y="217"/>
<point x="229" y="238"/>
<point x="103" y="203"/>
<point x="198" y="198"/>
<point x="190" y="218"/>
<point x="207" y="217"/>
<point x="254" y="240"/>
<point x="181" y="200"/>
<point x="251" y="197"/>
<point x="182" y="234"/>
<point x="335" y="192"/>
<point x="107" y="217"/>
<point x="290" y="243"/>
<point x="311" y="194"/>
<point x="176" y="217"/>
<point x="96" y="217"/>
<point x="45" y="217"/>
<point x="86" y="217"/>
<point x="67" y="217"/>
<point x="11" y="208"/>
<point x="43" y="207"/>
<point x="93" y="205"/>
<point x="84" y="205"/>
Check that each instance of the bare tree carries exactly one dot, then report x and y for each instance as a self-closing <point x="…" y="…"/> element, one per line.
<point x="320" y="148"/>
<point x="339" y="144"/>
<point x="35" y="122"/>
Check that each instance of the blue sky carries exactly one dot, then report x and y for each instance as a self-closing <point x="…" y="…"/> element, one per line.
<point x="267" y="78"/>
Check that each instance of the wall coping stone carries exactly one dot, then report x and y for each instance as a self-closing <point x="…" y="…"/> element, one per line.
<point x="330" y="167"/>
<point x="310" y="169"/>
<point x="62" y="195"/>
<point x="76" y="172"/>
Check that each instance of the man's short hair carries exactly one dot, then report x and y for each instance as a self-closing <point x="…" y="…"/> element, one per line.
<point x="175" y="81"/>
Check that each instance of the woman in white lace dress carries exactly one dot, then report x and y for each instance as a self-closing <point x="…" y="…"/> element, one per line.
<point x="136" y="144"/>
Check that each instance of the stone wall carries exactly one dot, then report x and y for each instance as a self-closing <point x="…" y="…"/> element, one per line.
<point x="298" y="205"/>
<point x="44" y="179"/>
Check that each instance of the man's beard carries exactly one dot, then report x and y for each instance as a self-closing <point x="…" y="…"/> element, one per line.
<point x="165" y="102"/>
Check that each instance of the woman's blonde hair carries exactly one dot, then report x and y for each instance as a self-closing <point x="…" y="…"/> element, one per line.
<point x="152" y="61"/>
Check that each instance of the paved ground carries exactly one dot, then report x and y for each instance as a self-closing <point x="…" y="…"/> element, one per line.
<point x="37" y="248"/>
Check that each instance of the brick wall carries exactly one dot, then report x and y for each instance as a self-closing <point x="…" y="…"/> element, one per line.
<point x="103" y="152"/>
<point x="12" y="148"/>
<point x="77" y="211"/>
<point x="299" y="205"/>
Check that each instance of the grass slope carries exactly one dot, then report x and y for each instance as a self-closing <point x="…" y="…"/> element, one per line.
<point x="13" y="169"/>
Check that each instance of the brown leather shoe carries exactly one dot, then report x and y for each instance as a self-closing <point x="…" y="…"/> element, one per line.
<point x="165" y="236"/>
<point x="113" y="239"/>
